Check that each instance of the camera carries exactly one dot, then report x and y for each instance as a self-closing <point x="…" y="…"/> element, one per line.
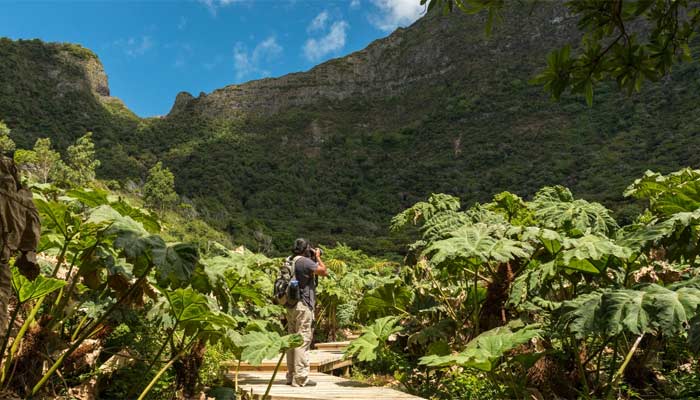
<point x="312" y="252"/>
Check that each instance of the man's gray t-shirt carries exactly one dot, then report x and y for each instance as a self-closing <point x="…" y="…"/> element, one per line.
<point x="304" y="270"/>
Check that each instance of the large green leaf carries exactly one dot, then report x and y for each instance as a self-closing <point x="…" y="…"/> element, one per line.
<point x="555" y="208"/>
<point x="136" y="244"/>
<point x="174" y="263"/>
<point x="652" y="308"/>
<point x="208" y="277"/>
<point x="146" y="218"/>
<point x="437" y="203"/>
<point x="591" y="252"/>
<point x="57" y="217"/>
<point x="258" y="346"/>
<point x="364" y="348"/>
<point x="485" y="350"/>
<point x="28" y="290"/>
<point x="668" y="194"/>
<point x="478" y="243"/>
<point x="89" y="197"/>
<point x="532" y="281"/>
<point x="388" y="299"/>
<point x="442" y="224"/>
<point x="672" y="309"/>
<point x="187" y="305"/>
<point x="512" y="207"/>
<point x="678" y="234"/>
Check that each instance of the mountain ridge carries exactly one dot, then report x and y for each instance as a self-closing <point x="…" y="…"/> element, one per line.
<point x="342" y="150"/>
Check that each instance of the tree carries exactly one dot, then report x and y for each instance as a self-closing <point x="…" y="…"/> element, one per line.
<point x="6" y="143"/>
<point x="43" y="163"/>
<point x="626" y="41"/>
<point x="159" y="190"/>
<point x="81" y="161"/>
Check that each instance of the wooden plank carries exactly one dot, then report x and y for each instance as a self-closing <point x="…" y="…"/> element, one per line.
<point x="328" y="387"/>
<point x="332" y="346"/>
<point x="319" y="361"/>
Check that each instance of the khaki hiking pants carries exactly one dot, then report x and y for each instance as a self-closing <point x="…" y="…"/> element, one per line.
<point x="299" y="320"/>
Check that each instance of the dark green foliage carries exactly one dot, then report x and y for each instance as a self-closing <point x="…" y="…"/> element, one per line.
<point x="628" y="41"/>
<point x="159" y="190"/>
<point x="7" y="145"/>
<point x="548" y="294"/>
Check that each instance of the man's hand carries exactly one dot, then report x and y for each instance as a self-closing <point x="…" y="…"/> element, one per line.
<point x="321" y="269"/>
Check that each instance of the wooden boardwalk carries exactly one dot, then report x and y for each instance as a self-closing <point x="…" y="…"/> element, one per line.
<point x="319" y="361"/>
<point x="328" y="387"/>
<point x="325" y="358"/>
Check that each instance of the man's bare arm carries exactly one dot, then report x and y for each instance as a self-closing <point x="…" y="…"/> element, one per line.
<point x="321" y="269"/>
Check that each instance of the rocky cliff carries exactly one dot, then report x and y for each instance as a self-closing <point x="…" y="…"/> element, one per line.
<point x="433" y="49"/>
<point x="334" y="152"/>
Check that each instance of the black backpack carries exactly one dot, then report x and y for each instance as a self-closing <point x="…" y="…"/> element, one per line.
<point x="286" y="291"/>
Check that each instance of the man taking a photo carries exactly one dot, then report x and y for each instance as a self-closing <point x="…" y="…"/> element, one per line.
<point x="307" y="266"/>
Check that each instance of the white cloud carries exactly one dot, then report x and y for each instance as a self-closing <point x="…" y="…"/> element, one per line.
<point x="355" y="4"/>
<point x="252" y="63"/>
<point x="135" y="46"/>
<point x="183" y="52"/>
<point x="318" y="23"/>
<point x="317" y="48"/>
<point x="395" y="13"/>
<point x="182" y="24"/>
<point x="214" y="5"/>
<point x="214" y="63"/>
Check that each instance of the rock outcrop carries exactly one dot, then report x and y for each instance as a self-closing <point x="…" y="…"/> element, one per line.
<point x="430" y="50"/>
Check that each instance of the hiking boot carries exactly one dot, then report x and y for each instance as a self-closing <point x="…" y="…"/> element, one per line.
<point x="305" y="382"/>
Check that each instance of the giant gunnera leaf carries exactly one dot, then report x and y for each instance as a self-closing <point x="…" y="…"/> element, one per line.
<point x="365" y="347"/>
<point x="650" y="309"/>
<point x="484" y="351"/>
<point x="28" y="290"/>
<point x="258" y="346"/>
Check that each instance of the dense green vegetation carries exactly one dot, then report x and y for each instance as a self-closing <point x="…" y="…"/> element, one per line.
<point x="113" y="294"/>
<point x="47" y="90"/>
<point x="502" y="299"/>
<point x="122" y="308"/>
<point x="550" y="297"/>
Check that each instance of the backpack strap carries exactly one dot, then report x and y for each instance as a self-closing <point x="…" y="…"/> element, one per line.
<point x="294" y="266"/>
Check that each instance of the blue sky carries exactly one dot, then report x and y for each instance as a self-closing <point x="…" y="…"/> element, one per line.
<point x="153" y="50"/>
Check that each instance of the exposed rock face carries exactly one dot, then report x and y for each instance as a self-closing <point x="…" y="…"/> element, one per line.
<point x="182" y="100"/>
<point x="381" y="69"/>
<point x="430" y="49"/>
<point x="92" y="77"/>
<point x="93" y="70"/>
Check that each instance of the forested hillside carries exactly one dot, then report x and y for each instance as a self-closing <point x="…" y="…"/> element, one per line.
<point x="334" y="152"/>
